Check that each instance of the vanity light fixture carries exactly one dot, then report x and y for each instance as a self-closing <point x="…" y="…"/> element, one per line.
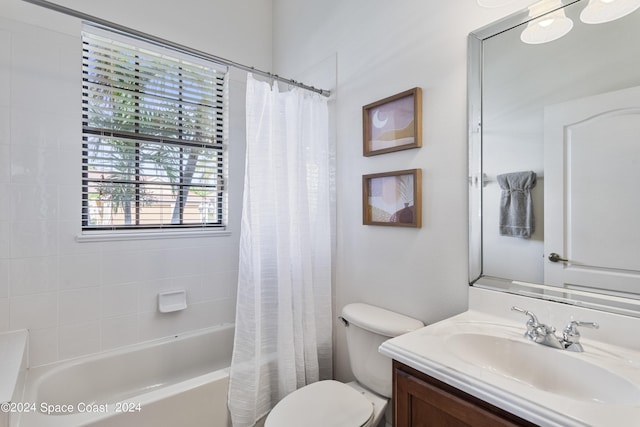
<point x="600" y="11"/>
<point x="548" y="27"/>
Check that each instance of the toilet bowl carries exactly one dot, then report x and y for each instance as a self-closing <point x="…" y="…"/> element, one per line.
<point x="361" y="403"/>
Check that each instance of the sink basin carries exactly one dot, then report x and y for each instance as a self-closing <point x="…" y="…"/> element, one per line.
<point x="488" y="357"/>
<point x="544" y="368"/>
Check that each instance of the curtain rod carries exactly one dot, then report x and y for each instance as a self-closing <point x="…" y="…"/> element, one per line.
<point x="175" y="46"/>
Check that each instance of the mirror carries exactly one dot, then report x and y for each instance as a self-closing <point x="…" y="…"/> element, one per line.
<point x="567" y="110"/>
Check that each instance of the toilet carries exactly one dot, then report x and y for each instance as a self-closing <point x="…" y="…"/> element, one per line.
<point x="361" y="403"/>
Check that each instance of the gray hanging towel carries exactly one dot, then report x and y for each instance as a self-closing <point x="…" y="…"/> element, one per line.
<point x="516" y="204"/>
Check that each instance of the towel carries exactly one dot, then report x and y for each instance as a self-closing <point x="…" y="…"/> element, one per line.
<point x="516" y="204"/>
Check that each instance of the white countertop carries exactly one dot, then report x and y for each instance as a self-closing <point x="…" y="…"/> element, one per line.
<point x="428" y="350"/>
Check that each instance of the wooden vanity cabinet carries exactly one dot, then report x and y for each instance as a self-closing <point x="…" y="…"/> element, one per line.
<point x="423" y="401"/>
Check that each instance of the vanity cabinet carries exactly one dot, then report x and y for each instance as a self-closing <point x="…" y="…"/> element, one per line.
<point x="423" y="401"/>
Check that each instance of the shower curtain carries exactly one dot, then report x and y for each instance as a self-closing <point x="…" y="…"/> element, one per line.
<point x="283" y="318"/>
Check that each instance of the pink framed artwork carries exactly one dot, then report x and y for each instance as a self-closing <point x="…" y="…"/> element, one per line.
<point x="392" y="198"/>
<point x="393" y="123"/>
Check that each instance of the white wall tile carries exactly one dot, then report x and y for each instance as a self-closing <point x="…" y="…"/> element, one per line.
<point x="168" y="263"/>
<point x="193" y="260"/>
<point x="219" y="285"/>
<point x="69" y="205"/>
<point x="123" y="267"/>
<point x="150" y="289"/>
<point x="69" y="162"/>
<point x="69" y="126"/>
<point x="78" y="305"/>
<point x="222" y="255"/>
<point x="77" y="298"/>
<point x="5" y="242"/>
<point x="34" y="311"/>
<point x="136" y="245"/>
<point x="152" y="325"/>
<point x="214" y="312"/>
<point x="43" y="346"/>
<point x="5" y="70"/>
<point x="4" y="278"/>
<point x="47" y="134"/>
<point x="80" y="270"/>
<point x="67" y="232"/>
<point x="33" y="165"/>
<point x="119" y="300"/>
<point x="5" y="141"/>
<point x="31" y="53"/>
<point x="69" y="68"/>
<point x="119" y="331"/>
<point x="4" y="315"/>
<point x="34" y="238"/>
<point x="34" y="275"/>
<point x="197" y="316"/>
<point x="5" y="151"/>
<point x="79" y="339"/>
<point x="34" y="202"/>
<point x="5" y="200"/>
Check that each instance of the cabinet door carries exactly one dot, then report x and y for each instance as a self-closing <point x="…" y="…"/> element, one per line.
<point x="419" y="403"/>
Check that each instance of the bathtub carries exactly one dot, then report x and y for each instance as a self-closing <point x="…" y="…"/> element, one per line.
<point x="177" y="381"/>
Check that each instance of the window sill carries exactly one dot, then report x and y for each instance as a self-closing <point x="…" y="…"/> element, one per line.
<point x="113" y="236"/>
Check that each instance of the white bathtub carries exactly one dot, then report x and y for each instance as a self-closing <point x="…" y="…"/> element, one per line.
<point x="178" y="381"/>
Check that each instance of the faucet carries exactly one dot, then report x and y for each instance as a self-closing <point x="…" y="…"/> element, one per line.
<point x="545" y="335"/>
<point x="571" y="335"/>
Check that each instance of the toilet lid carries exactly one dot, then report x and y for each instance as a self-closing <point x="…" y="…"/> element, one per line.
<point x="322" y="404"/>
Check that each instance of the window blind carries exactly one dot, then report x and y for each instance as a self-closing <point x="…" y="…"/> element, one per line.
<point x="153" y="132"/>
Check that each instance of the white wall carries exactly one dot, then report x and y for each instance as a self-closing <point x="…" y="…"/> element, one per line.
<point x="382" y="48"/>
<point x="80" y="298"/>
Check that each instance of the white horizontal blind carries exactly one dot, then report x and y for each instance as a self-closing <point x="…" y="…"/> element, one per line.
<point x="153" y="136"/>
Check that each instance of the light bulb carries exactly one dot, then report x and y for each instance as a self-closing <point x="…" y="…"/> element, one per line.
<point x="600" y="11"/>
<point x="546" y="28"/>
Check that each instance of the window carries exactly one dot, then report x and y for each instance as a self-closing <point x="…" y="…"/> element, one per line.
<point x="153" y="133"/>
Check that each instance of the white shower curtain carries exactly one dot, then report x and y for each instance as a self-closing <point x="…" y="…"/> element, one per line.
<point x="283" y="320"/>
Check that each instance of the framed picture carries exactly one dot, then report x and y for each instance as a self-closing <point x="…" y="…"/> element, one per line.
<point x="392" y="198"/>
<point x="393" y="124"/>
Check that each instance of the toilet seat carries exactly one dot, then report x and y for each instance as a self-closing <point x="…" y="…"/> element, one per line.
<point x="322" y="404"/>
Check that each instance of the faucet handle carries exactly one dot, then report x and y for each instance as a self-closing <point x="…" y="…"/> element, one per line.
<point x="571" y="335"/>
<point x="535" y="331"/>
<point x="572" y="327"/>
<point x="533" y="320"/>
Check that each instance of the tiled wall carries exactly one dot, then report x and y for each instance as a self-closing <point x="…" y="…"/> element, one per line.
<point x="80" y="298"/>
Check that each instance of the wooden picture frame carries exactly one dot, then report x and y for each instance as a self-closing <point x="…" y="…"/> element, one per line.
<point x="393" y="123"/>
<point x="392" y="198"/>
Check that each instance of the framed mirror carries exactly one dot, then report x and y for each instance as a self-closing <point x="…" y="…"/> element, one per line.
<point x="554" y="154"/>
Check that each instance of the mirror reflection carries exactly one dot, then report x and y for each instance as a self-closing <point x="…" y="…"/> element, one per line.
<point x="555" y="151"/>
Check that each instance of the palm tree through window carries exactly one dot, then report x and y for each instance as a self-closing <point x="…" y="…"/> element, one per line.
<point x="153" y="136"/>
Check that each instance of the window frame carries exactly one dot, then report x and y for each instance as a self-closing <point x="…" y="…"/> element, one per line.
<point x="217" y="150"/>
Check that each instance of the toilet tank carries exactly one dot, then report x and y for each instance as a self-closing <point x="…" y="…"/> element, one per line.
<point x="367" y="327"/>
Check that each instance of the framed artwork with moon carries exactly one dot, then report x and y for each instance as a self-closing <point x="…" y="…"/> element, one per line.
<point x="393" y="123"/>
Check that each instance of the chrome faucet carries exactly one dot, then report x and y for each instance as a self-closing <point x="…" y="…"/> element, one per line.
<point x="546" y="335"/>
<point x="571" y="335"/>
